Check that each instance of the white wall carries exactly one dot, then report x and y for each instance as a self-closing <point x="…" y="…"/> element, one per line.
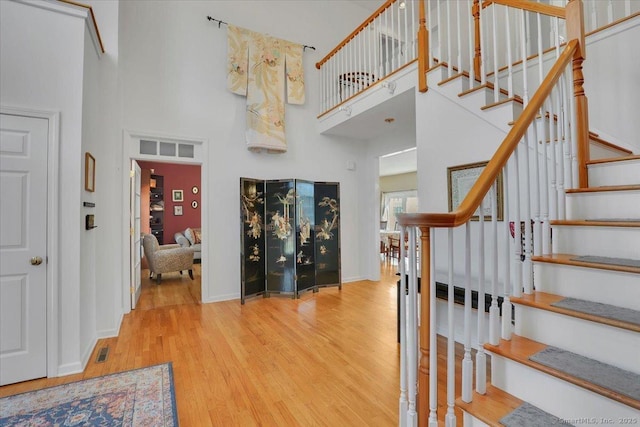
<point x="41" y="55"/>
<point x="174" y="83"/>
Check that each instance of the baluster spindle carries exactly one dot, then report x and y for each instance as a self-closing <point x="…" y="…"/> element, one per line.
<point x="449" y="64"/>
<point x="548" y="190"/>
<point x="387" y="67"/>
<point x="459" y="34"/>
<point x="472" y="72"/>
<point x="402" y="296"/>
<point x="406" y="42"/>
<point x="440" y="33"/>
<point x="412" y="346"/>
<point x="428" y="241"/>
<point x="429" y="33"/>
<point x="483" y="51"/>
<point x="494" y="310"/>
<point x="517" y="233"/>
<point x="496" y="80"/>
<point x="509" y="59"/>
<point x="450" y="418"/>
<point x="481" y="372"/>
<point x="467" y="363"/>
<point x="528" y="269"/>
<point x="506" y="329"/>
<point x="538" y="139"/>
<point x="523" y="40"/>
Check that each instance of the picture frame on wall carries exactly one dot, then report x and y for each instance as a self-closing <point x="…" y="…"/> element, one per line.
<point x="89" y="172"/>
<point x="177" y="196"/>
<point x="177" y="210"/>
<point x="461" y="178"/>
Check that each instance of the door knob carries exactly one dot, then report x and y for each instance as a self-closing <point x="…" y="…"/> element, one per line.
<point x="36" y="260"/>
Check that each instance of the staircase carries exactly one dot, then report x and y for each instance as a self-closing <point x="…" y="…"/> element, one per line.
<point x="602" y="221"/>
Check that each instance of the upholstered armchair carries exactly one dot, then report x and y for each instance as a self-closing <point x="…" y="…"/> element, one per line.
<point x="166" y="258"/>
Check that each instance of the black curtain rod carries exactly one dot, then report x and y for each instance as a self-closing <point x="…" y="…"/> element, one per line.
<point x="304" y="46"/>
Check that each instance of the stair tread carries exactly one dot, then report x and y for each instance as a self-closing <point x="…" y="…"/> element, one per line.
<point x="490" y="407"/>
<point x="520" y="349"/>
<point x="604" y="188"/>
<point x="615" y="222"/>
<point x="566" y="259"/>
<point x="613" y="160"/>
<point x="502" y="101"/>
<point x="544" y="301"/>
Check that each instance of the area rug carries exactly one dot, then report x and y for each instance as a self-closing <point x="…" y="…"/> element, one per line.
<point x="141" y="397"/>
<point x="527" y="415"/>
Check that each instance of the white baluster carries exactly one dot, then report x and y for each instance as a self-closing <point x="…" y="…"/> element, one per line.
<point x="481" y="359"/>
<point x="387" y="67"/>
<point x="440" y="34"/>
<point x="450" y="418"/>
<point x="449" y="64"/>
<point x="627" y="8"/>
<point x="407" y="44"/>
<point x="507" y="329"/>
<point x="394" y="54"/>
<point x="412" y="338"/>
<point x="496" y="80"/>
<point x="414" y="33"/>
<point x="472" y="46"/>
<point x="528" y="268"/>
<point x="548" y="189"/>
<point x="517" y="234"/>
<point x="523" y="23"/>
<point x="574" y="135"/>
<point x="494" y="310"/>
<point x="509" y="59"/>
<point x="459" y="46"/>
<point x="566" y="143"/>
<point x="402" y="296"/>
<point x="594" y="16"/>
<point x="538" y="138"/>
<point x="430" y="32"/>
<point x="483" y="48"/>
<point x="540" y="50"/>
<point x="433" y="338"/>
<point x="467" y="363"/>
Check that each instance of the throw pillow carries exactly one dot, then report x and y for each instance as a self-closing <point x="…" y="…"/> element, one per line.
<point x="197" y="235"/>
<point x="188" y="233"/>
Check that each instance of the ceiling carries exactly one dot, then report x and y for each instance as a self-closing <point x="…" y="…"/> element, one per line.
<point x="401" y="162"/>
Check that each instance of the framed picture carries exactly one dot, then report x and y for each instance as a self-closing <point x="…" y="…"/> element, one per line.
<point x="177" y="210"/>
<point x="177" y="196"/>
<point x="89" y="172"/>
<point x="461" y="178"/>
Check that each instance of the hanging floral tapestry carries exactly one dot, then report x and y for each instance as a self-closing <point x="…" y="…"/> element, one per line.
<point x="257" y="67"/>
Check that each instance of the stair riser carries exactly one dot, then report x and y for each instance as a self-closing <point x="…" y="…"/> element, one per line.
<point x="584" y="337"/>
<point x="502" y="114"/>
<point x="606" y="204"/>
<point x="591" y="284"/>
<point x="615" y="173"/>
<point x="474" y="101"/>
<point x="620" y="242"/>
<point x="561" y="398"/>
<point x="471" y="421"/>
<point x="454" y="87"/>
<point x="599" y="151"/>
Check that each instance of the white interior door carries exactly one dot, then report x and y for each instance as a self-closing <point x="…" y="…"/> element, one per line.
<point x="23" y="244"/>
<point x="136" y="246"/>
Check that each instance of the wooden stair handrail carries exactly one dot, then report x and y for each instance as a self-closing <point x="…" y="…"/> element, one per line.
<point x="355" y="32"/>
<point x="490" y="173"/>
<point x="531" y="6"/>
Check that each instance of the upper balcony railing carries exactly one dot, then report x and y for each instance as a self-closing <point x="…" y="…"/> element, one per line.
<point x="384" y="43"/>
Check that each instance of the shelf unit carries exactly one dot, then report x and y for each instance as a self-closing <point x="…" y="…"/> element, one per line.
<point x="156" y="207"/>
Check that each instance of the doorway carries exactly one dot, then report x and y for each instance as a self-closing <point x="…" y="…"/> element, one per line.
<point x="183" y="199"/>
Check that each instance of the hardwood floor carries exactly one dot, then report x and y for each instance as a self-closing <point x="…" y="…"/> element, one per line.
<point x="328" y="358"/>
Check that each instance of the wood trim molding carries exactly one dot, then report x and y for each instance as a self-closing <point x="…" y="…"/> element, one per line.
<point x="94" y="24"/>
<point x="500" y="158"/>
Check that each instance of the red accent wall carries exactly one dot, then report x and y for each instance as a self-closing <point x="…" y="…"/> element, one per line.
<point x="177" y="177"/>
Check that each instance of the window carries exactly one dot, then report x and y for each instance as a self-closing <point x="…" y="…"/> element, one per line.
<point x="397" y="202"/>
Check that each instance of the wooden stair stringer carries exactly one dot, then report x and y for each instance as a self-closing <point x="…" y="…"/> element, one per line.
<point x="544" y="301"/>
<point x="519" y="349"/>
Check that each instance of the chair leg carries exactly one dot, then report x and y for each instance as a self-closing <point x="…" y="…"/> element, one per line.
<point x="191" y="274"/>
<point x="181" y="272"/>
<point x="158" y="278"/>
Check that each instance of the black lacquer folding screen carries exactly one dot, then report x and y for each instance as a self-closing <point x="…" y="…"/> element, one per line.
<point x="290" y="236"/>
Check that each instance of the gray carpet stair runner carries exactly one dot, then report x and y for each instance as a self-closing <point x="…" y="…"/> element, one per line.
<point x="527" y="415"/>
<point x="599" y="309"/>
<point x="623" y="262"/>
<point x="615" y="379"/>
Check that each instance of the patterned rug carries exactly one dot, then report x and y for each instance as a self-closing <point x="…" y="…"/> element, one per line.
<point x="141" y="397"/>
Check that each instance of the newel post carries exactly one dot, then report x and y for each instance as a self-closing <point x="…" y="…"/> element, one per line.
<point x="475" y="11"/>
<point x="425" y="326"/>
<point x="575" y="30"/>
<point x="423" y="49"/>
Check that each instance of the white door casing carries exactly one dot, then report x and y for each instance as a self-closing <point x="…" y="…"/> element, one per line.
<point x="23" y="247"/>
<point x="136" y="247"/>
